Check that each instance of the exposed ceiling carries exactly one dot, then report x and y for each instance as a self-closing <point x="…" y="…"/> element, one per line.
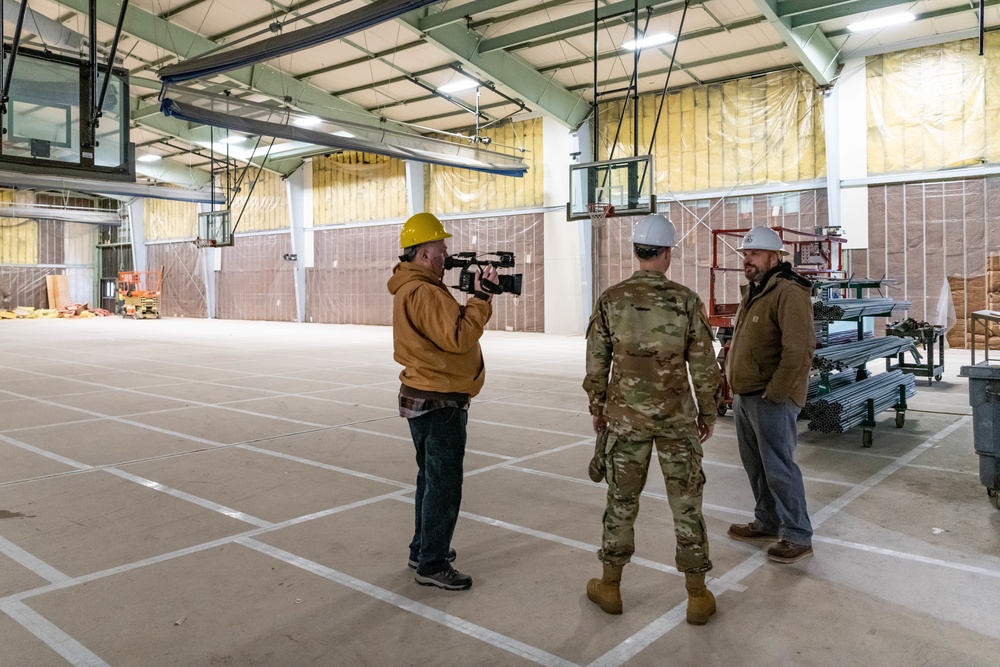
<point x="529" y="56"/>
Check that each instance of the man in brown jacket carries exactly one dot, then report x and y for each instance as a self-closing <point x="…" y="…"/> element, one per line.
<point x="768" y="369"/>
<point x="437" y="342"/>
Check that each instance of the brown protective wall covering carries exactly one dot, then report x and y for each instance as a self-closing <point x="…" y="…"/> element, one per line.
<point x="934" y="237"/>
<point x="348" y="282"/>
<point x="182" y="292"/>
<point x="692" y="258"/>
<point x="24" y="286"/>
<point x="255" y="282"/>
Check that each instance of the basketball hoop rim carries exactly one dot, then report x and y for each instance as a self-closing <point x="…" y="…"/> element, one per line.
<point x="600" y="210"/>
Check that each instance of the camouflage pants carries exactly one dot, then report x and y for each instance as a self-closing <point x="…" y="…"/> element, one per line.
<point x="628" y="464"/>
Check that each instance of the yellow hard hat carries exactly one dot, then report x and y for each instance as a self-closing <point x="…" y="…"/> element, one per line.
<point x="422" y="228"/>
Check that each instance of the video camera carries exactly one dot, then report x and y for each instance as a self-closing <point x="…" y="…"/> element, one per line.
<point x="467" y="278"/>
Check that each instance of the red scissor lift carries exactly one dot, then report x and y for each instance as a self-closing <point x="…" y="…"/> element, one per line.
<point x="816" y="255"/>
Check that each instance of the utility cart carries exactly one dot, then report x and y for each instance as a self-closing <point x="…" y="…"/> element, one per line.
<point x="139" y="294"/>
<point x="929" y="336"/>
<point x="984" y="397"/>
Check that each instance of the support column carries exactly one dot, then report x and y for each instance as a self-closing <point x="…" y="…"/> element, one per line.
<point x="567" y="267"/>
<point x="846" y="127"/>
<point x="299" y="188"/>
<point x="137" y="221"/>
<point x="211" y="264"/>
<point x="414" y="188"/>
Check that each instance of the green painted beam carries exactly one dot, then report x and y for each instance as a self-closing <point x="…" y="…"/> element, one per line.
<point x="840" y="11"/>
<point x="686" y="66"/>
<point x="944" y="11"/>
<point x="175" y="39"/>
<point x="511" y="74"/>
<point x="583" y="19"/>
<point x="791" y="7"/>
<point x="456" y="14"/>
<point x="812" y="48"/>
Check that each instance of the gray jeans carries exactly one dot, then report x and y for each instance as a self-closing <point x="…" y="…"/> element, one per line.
<point x="766" y="435"/>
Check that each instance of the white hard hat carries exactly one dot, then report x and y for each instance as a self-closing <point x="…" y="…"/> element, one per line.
<point x="655" y="230"/>
<point x="762" y="238"/>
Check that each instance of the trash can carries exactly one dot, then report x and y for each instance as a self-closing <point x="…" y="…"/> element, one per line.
<point x="984" y="397"/>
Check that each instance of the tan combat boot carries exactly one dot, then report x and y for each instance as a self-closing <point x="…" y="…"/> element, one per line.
<point x="606" y="591"/>
<point x="701" y="602"/>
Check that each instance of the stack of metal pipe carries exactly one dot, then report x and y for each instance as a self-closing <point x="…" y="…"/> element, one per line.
<point x="846" y="309"/>
<point x="852" y="355"/>
<point x="819" y="386"/>
<point x="847" y="406"/>
<point x="842" y="337"/>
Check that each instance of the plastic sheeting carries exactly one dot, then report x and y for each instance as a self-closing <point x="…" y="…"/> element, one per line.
<point x="182" y="292"/>
<point x="935" y="107"/>
<point x="750" y="131"/>
<point x="282" y="44"/>
<point x="255" y="283"/>
<point x="352" y="265"/>
<point x="275" y="121"/>
<point x="929" y="235"/>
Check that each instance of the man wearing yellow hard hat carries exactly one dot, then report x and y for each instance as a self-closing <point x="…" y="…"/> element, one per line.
<point x="436" y="340"/>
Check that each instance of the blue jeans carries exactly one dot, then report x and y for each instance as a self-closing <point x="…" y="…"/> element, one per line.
<point x="439" y="438"/>
<point x="767" y="436"/>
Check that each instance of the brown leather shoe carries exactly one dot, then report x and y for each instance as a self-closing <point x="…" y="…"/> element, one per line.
<point x="749" y="532"/>
<point x="786" y="552"/>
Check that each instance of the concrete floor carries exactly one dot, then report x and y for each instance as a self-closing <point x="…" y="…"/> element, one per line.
<point x="191" y="492"/>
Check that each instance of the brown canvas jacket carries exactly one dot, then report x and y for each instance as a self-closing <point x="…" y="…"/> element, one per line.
<point x="773" y="342"/>
<point x="435" y="338"/>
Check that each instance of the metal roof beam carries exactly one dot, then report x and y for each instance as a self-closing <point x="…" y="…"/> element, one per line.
<point x="175" y="39"/>
<point x="514" y="76"/>
<point x="813" y="49"/>
<point x="583" y="19"/>
<point x="458" y="14"/>
<point x="831" y="12"/>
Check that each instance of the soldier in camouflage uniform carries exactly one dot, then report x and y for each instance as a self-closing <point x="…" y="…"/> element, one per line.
<point x="645" y="335"/>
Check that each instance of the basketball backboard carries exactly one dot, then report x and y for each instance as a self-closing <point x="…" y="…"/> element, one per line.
<point x="625" y="183"/>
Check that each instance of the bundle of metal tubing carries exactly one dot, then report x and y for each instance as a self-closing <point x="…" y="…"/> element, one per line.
<point x="842" y="337"/>
<point x="847" y="407"/>
<point x="851" y="355"/>
<point x="845" y="309"/>
<point x="833" y="382"/>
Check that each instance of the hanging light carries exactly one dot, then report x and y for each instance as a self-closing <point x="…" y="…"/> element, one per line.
<point x="881" y="21"/>
<point x="648" y="41"/>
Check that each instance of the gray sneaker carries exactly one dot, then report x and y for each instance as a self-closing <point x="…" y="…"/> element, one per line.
<point x="413" y="562"/>
<point x="449" y="579"/>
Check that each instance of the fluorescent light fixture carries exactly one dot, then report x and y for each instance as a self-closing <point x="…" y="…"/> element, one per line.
<point x="149" y="157"/>
<point x="648" y="41"/>
<point x="307" y="121"/>
<point x="233" y="139"/>
<point x="881" y="21"/>
<point x="458" y="85"/>
<point x="343" y="133"/>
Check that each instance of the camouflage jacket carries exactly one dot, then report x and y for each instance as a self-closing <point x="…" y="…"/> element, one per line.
<point x="644" y="336"/>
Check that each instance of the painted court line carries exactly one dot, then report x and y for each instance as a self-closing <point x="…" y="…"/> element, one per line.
<point x="73" y="651"/>
<point x="449" y="621"/>
<point x="661" y="626"/>
<point x="32" y="562"/>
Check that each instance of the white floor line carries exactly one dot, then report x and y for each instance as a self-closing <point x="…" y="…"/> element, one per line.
<point x="191" y="498"/>
<point x="48" y="632"/>
<point x="821" y="480"/>
<point x="326" y="466"/>
<point x="449" y="621"/>
<point x="31" y="562"/>
<point x="45" y="453"/>
<point x="658" y="628"/>
<point x="937" y="562"/>
<point x="820" y="517"/>
<point x="187" y="551"/>
<point x="565" y="541"/>
<point x="520" y="459"/>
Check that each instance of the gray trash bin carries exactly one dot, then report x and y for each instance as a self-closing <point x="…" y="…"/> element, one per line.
<point x="984" y="397"/>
